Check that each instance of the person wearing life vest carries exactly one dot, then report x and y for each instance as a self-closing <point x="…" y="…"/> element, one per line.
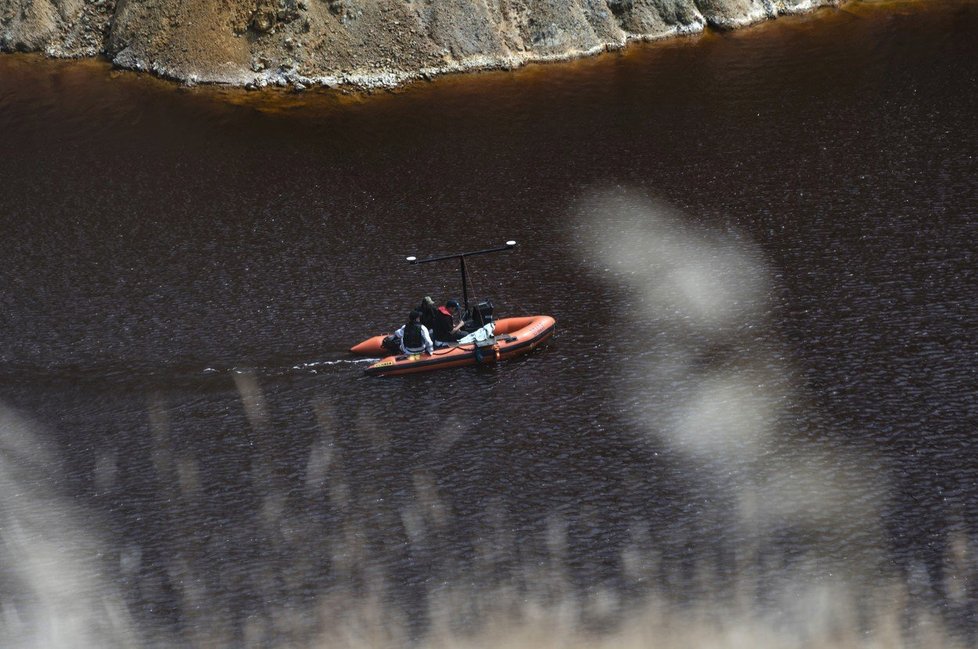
<point x="414" y="336"/>
<point x="448" y="323"/>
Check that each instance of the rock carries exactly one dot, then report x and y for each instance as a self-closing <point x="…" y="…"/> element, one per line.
<point x="336" y="7"/>
<point x="390" y="40"/>
<point x="262" y="21"/>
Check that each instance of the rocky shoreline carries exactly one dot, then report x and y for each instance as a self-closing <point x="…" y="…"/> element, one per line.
<point x="355" y="43"/>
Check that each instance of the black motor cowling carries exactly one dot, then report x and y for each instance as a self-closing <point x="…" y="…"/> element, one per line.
<point x="481" y="313"/>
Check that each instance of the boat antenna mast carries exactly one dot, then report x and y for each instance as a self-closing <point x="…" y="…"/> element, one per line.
<point x="461" y="258"/>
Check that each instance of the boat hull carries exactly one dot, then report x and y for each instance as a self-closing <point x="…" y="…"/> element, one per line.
<point x="512" y="337"/>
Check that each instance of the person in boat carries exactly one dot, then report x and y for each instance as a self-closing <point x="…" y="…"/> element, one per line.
<point x="448" y="322"/>
<point x="413" y="336"/>
<point x="428" y="310"/>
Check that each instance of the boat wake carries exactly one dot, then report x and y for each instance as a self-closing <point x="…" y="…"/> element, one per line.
<point x="310" y="367"/>
<point x="313" y="366"/>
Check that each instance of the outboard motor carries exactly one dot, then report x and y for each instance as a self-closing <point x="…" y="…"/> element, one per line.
<point x="482" y="313"/>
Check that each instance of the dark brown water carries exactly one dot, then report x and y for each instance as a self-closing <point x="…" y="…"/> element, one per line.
<point x="760" y="248"/>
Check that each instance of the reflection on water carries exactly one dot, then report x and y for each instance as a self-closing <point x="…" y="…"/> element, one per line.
<point x="755" y="424"/>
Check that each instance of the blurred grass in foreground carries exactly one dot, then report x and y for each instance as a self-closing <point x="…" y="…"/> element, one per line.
<point x="353" y="542"/>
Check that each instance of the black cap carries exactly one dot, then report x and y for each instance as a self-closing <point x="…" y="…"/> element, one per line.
<point x="452" y="303"/>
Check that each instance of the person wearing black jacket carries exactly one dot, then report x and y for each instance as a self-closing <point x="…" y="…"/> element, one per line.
<point x="448" y="322"/>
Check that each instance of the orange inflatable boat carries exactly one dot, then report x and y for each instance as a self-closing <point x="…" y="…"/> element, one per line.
<point x="511" y="337"/>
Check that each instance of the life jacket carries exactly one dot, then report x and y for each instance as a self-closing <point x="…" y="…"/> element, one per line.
<point x="413" y="338"/>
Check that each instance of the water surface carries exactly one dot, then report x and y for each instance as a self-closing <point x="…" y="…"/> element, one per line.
<point x="759" y="247"/>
